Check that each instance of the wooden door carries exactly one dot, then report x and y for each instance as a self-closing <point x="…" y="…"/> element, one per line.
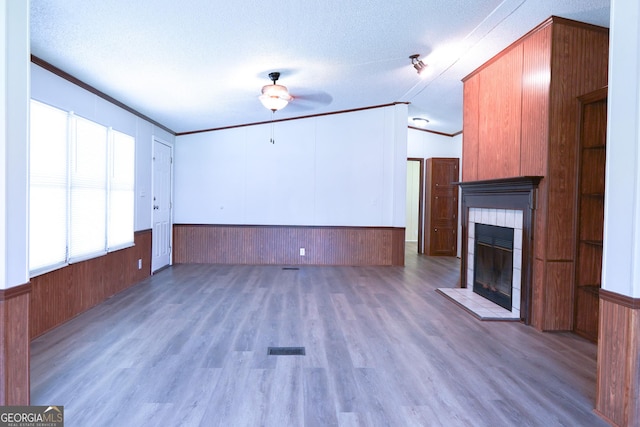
<point x="441" y="222"/>
<point x="590" y="213"/>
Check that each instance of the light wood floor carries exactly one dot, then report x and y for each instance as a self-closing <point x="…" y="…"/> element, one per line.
<point x="188" y="347"/>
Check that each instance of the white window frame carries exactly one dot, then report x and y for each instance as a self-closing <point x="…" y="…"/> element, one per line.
<point x="128" y="183"/>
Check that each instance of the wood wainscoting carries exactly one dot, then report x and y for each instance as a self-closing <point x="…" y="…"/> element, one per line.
<point x="280" y="245"/>
<point x="14" y="345"/>
<point x="618" y="377"/>
<point x="60" y="295"/>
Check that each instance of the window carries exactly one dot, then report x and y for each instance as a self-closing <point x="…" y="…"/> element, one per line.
<point x="121" y="190"/>
<point x="49" y="183"/>
<point x="81" y="189"/>
<point x="88" y="189"/>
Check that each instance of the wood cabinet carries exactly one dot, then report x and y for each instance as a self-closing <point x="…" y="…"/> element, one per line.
<point x="590" y="212"/>
<point x="521" y="114"/>
<point x="441" y="201"/>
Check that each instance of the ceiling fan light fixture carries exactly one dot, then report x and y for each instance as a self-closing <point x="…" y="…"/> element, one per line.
<point x="274" y="96"/>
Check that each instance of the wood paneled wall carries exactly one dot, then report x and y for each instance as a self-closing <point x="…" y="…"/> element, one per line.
<point x="536" y="75"/>
<point x="579" y="61"/>
<point x="618" y="377"/>
<point x="14" y="346"/>
<point x="521" y="115"/>
<point x="280" y="245"/>
<point x="64" y="293"/>
<point x="471" y="114"/>
<point x="579" y="66"/>
<point x="500" y="103"/>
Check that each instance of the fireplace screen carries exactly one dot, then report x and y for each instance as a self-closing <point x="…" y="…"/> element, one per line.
<point x="493" y="263"/>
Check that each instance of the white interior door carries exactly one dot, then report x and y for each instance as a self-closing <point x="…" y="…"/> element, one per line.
<point x="161" y="244"/>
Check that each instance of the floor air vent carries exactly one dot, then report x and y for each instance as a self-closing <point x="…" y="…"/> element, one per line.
<point x="286" y="351"/>
<point x="290" y="268"/>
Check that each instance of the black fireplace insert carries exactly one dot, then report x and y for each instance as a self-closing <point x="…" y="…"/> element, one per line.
<point x="493" y="263"/>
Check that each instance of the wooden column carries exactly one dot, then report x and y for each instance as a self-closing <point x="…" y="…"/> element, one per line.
<point x="14" y="345"/>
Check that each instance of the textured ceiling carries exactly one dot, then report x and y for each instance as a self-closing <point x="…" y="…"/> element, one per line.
<point x="200" y="64"/>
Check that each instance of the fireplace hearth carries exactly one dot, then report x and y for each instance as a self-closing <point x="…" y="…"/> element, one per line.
<point x="493" y="264"/>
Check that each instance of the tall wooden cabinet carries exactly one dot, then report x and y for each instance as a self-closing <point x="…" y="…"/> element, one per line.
<point x="441" y="200"/>
<point x="590" y="212"/>
<point x="521" y="114"/>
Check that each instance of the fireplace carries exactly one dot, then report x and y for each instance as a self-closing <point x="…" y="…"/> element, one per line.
<point x="501" y="203"/>
<point x="493" y="264"/>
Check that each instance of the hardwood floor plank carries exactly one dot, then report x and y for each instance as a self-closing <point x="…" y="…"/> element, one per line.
<point x="229" y="392"/>
<point x="287" y="386"/>
<point x="319" y="407"/>
<point x="382" y="403"/>
<point x="313" y="338"/>
<point x="188" y="347"/>
<point x="347" y="396"/>
<point x="352" y="419"/>
<point x="361" y="353"/>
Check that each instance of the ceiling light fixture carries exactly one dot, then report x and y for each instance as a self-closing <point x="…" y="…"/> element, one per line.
<point x="417" y="63"/>
<point x="420" y="121"/>
<point x="275" y="97"/>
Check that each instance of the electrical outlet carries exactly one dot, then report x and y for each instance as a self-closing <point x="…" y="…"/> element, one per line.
<point x="302" y="252"/>
<point x="140" y="264"/>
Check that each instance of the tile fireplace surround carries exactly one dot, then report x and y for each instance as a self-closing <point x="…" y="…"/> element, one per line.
<point x="508" y="202"/>
<point x="509" y="218"/>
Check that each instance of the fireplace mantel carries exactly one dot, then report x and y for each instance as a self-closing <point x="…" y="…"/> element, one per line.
<point x="517" y="193"/>
<point x="503" y="186"/>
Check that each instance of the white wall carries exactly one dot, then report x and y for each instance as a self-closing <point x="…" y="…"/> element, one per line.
<point x="621" y="259"/>
<point x="58" y="92"/>
<point x="14" y="136"/>
<point x="343" y="169"/>
<point x="426" y="144"/>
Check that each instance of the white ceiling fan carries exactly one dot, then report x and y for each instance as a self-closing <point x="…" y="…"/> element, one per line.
<point x="275" y="97"/>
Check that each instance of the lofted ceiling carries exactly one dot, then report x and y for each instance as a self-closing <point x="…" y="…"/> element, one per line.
<point x="200" y="64"/>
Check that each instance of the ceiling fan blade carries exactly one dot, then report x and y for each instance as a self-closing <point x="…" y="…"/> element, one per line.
<point x="309" y="100"/>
